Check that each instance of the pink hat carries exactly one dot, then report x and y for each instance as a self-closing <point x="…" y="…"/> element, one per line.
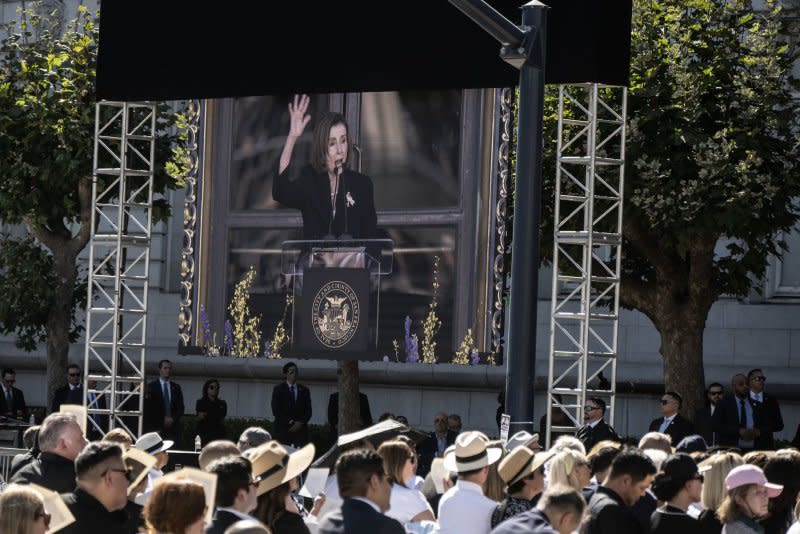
<point x="751" y="474"/>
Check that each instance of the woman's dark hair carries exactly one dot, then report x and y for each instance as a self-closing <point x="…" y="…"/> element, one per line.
<point x="783" y="469"/>
<point x="319" y="142"/>
<point x="272" y="505"/>
<point x="208" y="383"/>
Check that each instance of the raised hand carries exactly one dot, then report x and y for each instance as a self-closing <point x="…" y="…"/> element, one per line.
<point x="298" y="119"/>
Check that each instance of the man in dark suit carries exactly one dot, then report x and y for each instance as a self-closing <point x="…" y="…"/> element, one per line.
<point x="333" y="413"/>
<point x="291" y="407"/>
<point x="12" y="402"/>
<point x="766" y="411"/>
<point x="72" y="393"/>
<point x="163" y="405"/>
<point x="236" y="494"/>
<point x="366" y="492"/>
<point x="560" y="509"/>
<point x="672" y="423"/>
<point x="595" y="429"/>
<point x="434" y="445"/>
<point x="702" y="418"/>
<point x="733" y="417"/>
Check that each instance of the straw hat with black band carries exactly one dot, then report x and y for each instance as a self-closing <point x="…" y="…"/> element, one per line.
<point x="273" y="465"/>
<point x="520" y="463"/>
<point x="471" y="452"/>
<point x="151" y="443"/>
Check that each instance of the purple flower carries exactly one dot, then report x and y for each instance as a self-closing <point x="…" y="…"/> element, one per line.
<point x="205" y="326"/>
<point x="267" y="349"/>
<point x="228" y="340"/>
<point x="385" y="358"/>
<point x="412" y="353"/>
<point x="474" y="358"/>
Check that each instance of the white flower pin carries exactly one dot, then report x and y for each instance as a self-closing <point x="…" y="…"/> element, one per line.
<point x="349" y="200"/>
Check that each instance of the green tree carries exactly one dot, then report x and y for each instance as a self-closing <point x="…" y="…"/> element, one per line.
<point x="711" y="175"/>
<point x="47" y="94"/>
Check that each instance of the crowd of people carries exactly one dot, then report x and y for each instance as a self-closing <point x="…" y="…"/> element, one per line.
<point x="717" y="474"/>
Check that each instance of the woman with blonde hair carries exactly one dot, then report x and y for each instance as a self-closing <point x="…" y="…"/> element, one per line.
<point x="22" y="511"/>
<point x="176" y="506"/>
<point x="714" y="490"/>
<point x="406" y="504"/>
<point x="570" y="468"/>
<point x="747" y="500"/>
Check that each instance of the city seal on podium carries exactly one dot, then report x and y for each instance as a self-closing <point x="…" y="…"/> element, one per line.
<point x="335" y="314"/>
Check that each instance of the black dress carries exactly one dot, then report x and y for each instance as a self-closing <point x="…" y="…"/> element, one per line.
<point x="311" y="194"/>
<point x="671" y="520"/>
<point x="290" y="523"/>
<point x="211" y="427"/>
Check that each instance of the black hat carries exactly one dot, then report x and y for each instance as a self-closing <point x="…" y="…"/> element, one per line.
<point x="693" y="443"/>
<point x="675" y="471"/>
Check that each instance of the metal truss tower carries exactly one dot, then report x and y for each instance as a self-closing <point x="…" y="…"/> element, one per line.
<point x="119" y="264"/>
<point x="587" y="252"/>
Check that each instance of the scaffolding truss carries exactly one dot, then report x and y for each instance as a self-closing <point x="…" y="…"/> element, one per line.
<point x="587" y="253"/>
<point x="119" y="264"/>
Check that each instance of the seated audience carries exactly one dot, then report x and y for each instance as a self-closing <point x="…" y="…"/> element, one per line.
<point x="569" y="468"/>
<point x="211" y="411"/>
<point x="656" y="440"/>
<point x="30" y="440"/>
<point x="609" y="510"/>
<point x="690" y="444"/>
<point x="568" y="442"/>
<point x="253" y="437"/>
<point x="277" y="472"/>
<point x="782" y="469"/>
<point x="678" y="485"/>
<point x="523" y="473"/>
<point x="407" y="505"/>
<point x="747" y="500"/>
<point x="236" y="492"/>
<point x="714" y="489"/>
<point x="366" y="490"/>
<point x="215" y="450"/>
<point x="119" y="436"/>
<point x="176" y="506"/>
<point x="102" y="492"/>
<point x="600" y="458"/>
<point x="464" y="508"/>
<point x="60" y="440"/>
<point x="152" y="444"/>
<point x="22" y="511"/>
<point x="247" y="526"/>
<point x="559" y="511"/>
<point x="758" y="458"/>
<point x="524" y="438"/>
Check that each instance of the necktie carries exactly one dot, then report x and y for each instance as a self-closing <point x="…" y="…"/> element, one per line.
<point x="9" y="401"/>
<point x="167" y="406"/>
<point x="742" y="415"/>
<point x="294" y="393"/>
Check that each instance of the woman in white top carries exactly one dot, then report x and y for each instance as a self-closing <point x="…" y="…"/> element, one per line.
<point x="407" y="505"/>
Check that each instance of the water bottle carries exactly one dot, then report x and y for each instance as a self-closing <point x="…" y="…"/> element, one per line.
<point x="197" y="444"/>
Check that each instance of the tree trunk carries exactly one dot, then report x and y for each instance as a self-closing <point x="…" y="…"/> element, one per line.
<point x="349" y="405"/>
<point x="682" y="350"/>
<point x="58" y="323"/>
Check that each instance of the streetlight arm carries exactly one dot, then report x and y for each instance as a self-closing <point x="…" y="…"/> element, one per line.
<point x="492" y="21"/>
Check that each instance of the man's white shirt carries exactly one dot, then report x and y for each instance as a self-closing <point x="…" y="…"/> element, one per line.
<point x="465" y="510"/>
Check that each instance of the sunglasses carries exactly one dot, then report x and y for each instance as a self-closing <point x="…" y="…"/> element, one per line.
<point x="588" y="408"/>
<point x="664" y="402"/>
<point x="760" y="378"/>
<point x="127" y="472"/>
<point x="44" y="515"/>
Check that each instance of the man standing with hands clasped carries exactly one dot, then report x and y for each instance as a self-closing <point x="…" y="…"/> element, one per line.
<point x="291" y="407"/>
<point x="766" y="412"/>
<point x="164" y="404"/>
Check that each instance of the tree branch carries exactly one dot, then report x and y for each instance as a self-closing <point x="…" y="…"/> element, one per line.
<point x="665" y="267"/>
<point x="85" y="199"/>
<point x="49" y="239"/>
<point x="702" y="292"/>
<point x="638" y="295"/>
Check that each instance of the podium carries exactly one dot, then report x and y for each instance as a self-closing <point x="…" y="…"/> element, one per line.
<point x="335" y="287"/>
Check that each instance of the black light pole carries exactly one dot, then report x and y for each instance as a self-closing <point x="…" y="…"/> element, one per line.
<point x="525" y="48"/>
